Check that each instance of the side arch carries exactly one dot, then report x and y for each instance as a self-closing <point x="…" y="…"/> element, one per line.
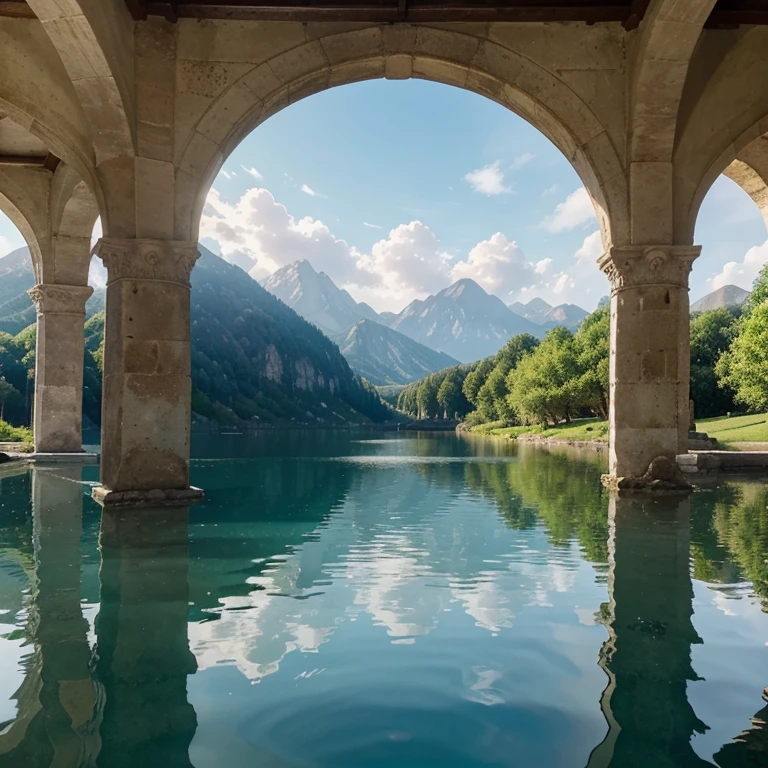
<point x="448" y="57"/>
<point x="94" y="39"/>
<point x="24" y="200"/>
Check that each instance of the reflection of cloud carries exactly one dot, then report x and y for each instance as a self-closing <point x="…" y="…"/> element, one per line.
<point x="481" y="690"/>
<point x="401" y="566"/>
<point x="485" y="601"/>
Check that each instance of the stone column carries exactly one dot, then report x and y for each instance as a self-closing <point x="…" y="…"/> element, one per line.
<point x="650" y="355"/>
<point x="146" y="407"/>
<point x="58" y="410"/>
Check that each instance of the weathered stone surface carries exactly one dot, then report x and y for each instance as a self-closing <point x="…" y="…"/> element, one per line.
<point x="57" y="417"/>
<point x="663" y="474"/>
<point x="147" y="386"/>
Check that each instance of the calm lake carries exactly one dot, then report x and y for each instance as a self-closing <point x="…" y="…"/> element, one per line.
<point x="398" y="599"/>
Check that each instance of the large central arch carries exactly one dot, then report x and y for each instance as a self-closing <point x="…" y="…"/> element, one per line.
<point x="450" y="57"/>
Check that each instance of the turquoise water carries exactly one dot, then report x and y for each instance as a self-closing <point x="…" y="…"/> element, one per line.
<point x="383" y="600"/>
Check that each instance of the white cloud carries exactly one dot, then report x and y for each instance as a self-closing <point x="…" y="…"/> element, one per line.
<point x="5" y="245"/>
<point x="550" y="190"/>
<point x="498" y="265"/>
<point x="744" y="272"/>
<point x="308" y="190"/>
<point x="225" y="174"/>
<point x="258" y="234"/>
<point x="488" y="180"/>
<point x="522" y="160"/>
<point x="253" y="172"/>
<point x="372" y="226"/>
<point x="575" y="211"/>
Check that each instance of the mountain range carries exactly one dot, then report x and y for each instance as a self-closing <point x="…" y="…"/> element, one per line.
<point x="463" y="322"/>
<point x="384" y="356"/>
<point x="253" y="358"/>
<point x="539" y="312"/>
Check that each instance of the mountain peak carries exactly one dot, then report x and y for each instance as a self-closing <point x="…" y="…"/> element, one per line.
<point x="315" y="297"/>
<point x="466" y="287"/>
<point x="725" y="296"/>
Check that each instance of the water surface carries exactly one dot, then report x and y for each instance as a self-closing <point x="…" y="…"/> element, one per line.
<point x="390" y="599"/>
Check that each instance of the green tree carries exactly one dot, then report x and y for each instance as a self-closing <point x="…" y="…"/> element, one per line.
<point x="711" y="335"/>
<point x="476" y="378"/>
<point x="759" y="293"/>
<point x="450" y="395"/>
<point x="426" y="399"/>
<point x="744" y="367"/>
<point x="593" y="345"/>
<point x="544" y="386"/>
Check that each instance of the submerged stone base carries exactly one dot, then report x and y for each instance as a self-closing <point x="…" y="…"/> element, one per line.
<point x="662" y="475"/>
<point x="173" y="497"/>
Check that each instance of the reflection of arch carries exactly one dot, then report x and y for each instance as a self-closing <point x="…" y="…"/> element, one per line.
<point x="449" y="57"/>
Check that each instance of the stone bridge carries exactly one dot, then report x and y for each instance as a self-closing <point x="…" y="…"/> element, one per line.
<point x="127" y="109"/>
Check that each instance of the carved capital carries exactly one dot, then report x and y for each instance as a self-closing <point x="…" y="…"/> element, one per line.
<point x="147" y="259"/>
<point x="60" y="299"/>
<point x="630" y="266"/>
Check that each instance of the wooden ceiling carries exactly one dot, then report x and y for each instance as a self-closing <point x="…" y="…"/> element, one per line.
<point x="726" y="14"/>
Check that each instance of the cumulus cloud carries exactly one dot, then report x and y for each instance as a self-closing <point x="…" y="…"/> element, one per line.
<point x="575" y="211"/>
<point x="488" y="180"/>
<point x="498" y="265"/>
<point x="253" y="172"/>
<point x="744" y="272"/>
<point x="259" y="234"/>
<point x="408" y="263"/>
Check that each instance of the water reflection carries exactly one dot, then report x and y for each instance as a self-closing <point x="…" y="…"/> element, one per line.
<point x="57" y="720"/>
<point x="411" y="613"/>
<point x="142" y="651"/>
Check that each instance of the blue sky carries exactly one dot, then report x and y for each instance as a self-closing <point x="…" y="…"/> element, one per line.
<point x="396" y="189"/>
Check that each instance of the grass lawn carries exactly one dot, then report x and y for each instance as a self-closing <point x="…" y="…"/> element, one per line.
<point x="583" y="429"/>
<point x="736" y="429"/>
<point x="733" y="429"/>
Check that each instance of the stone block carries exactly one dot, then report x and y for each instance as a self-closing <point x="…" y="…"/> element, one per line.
<point x="301" y="61"/>
<point x="349" y="46"/>
<point x="398" y="67"/>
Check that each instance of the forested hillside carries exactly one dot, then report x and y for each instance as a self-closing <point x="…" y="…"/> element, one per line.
<point x="253" y="358"/>
<point x="566" y="374"/>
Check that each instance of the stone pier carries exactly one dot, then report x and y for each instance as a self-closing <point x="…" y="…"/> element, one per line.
<point x="650" y="355"/>
<point x="58" y="409"/>
<point x="146" y="408"/>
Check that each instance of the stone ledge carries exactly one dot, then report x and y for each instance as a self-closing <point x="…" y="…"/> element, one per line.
<point x="662" y="476"/>
<point x="63" y="458"/>
<point x="170" y="497"/>
<point x="703" y="462"/>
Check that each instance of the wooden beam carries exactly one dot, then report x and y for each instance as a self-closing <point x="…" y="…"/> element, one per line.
<point x="16" y="9"/>
<point x="31" y="160"/>
<point x="395" y="10"/>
